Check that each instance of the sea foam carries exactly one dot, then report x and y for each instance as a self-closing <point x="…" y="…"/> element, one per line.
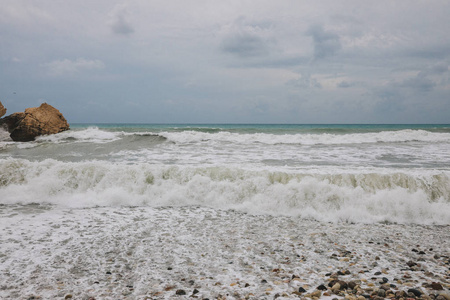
<point x="91" y="134"/>
<point x="359" y="196"/>
<point x="97" y="135"/>
<point x="399" y="136"/>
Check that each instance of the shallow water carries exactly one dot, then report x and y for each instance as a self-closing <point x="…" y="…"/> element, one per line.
<point x="223" y="211"/>
<point x="338" y="173"/>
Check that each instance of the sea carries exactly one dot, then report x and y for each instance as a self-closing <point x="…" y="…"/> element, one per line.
<point x="223" y="211"/>
<point x="329" y="173"/>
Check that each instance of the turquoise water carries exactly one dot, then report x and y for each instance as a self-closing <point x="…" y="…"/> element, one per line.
<point x="268" y="128"/>
<point x="357" y="173"/>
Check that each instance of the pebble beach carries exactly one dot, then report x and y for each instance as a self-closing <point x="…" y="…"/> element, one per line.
<point x="193" y="252"/>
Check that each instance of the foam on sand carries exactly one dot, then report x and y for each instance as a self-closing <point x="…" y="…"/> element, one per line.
<point x="138" y="252"/>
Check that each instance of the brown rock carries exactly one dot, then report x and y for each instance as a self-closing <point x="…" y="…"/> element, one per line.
<point x="352" y="285"/>
<point x="2" y="110"/>
<point x="336" y="288"/>
<point x="316" y="294"/>
<point x="35" y="121"/>
<point x="436" y="286"/>
<point x="343" y="284"/>
<point x="11" y="121"/>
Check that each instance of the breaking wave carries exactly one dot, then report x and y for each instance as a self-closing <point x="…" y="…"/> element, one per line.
<point x="96" y="135"/>
<point x="362" y="196"/>
<point x="400" y="136"/>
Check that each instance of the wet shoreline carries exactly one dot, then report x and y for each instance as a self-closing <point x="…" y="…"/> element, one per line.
<point x="197" y="252"/>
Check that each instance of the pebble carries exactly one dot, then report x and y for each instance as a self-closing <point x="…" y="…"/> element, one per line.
<point x="277" y="279"/>
<point x="381" y="293"/>
<point x="411" y="263"/>
<point x="436" y="286"/>
<point x="180" y="292"/>
<point x="445" y="295"/>
<point x="416" y="292"/>
<point x="336" y="288"/>
<point x="352" y="284"/>
<point x="316" y="294"/>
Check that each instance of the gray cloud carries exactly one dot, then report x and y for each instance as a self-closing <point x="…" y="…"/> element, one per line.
<point x="420" y="83"/>
<point x="437" y="69"/>
<point x="345" y="84"/>
<point x="244" y="38"/>
<point x="423" y="81"/>
<point x="350" y="83"/>
<point x="326" y="43"/>
<point x="208" y="61"/>
<point x="68" y="67"/>
<point x="305" y="81"/>
<point x="244" y="44"/>
<point x="119" y="21"/>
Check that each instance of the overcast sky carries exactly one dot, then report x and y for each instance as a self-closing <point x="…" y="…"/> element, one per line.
<point x="152" y="61"/>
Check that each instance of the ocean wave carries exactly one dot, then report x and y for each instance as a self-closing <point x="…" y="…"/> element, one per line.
<point x="407" y="135"/>
<point x="94" y="135"/>
<point x="362" y="197"/>
<point x="97" y="135"/>
<point x="91" y="134"/>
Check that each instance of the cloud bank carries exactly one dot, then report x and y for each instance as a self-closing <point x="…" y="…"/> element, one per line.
<point x="234" y="61"/>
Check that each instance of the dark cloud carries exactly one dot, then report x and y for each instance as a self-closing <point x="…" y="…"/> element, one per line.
<point x="326" y="43"/>
<point x="245" y="38"/>
<point x="305" y="81"/>
<point x="244" y="44"/>
<point x="391" y="97"/>
<point x="345" y="84"/>
<point x="119" y="24"/>
<point x="348" y="84"/>
<point x="436" y="69"/>
<point x="420" y="83"/>
<point x="428" y="51"/>
<point x="425" y="81"/>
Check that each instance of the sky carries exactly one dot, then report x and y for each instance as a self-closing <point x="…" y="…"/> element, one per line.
<point x="205" y="61"/>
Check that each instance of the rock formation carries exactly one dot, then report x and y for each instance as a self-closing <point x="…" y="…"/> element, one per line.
<point x="2" y="110"/>
<point x="35" y="121"/>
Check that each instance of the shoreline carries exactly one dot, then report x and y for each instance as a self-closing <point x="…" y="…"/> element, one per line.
<point x="197" y="252"/>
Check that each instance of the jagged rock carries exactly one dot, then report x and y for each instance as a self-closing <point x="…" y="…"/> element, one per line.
<point x="35" y="121"/>
<point x="2" y="110"/>
<point x="11" y="121"/>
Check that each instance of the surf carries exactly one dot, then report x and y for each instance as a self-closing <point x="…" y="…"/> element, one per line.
<point x="411" y="197"/>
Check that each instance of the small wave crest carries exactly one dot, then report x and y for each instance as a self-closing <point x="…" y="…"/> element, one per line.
<point x="338" y="197"/>
<point x="400" y="136"/>
<point x="95" y="135"/>
<point x="91" y="134"/>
